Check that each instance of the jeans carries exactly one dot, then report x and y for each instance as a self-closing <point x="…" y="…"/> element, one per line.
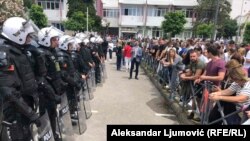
<point x="136" y="63"/>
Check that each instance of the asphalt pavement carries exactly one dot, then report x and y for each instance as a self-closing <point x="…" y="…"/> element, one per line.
<point x="123" y="101"/>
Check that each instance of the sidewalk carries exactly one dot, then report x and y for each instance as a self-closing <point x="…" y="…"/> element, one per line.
<point x="174" y="105"/>
<point x="123" y="101"/>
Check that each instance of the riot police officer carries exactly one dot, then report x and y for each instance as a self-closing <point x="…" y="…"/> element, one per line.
<point x="68" y="72"/>
<point x="96" y="59"/>
<point x="79" y="64"/>
<point x="18" y="87"/>
<point x="48" y="40"/>
<point x="85" y="54"/>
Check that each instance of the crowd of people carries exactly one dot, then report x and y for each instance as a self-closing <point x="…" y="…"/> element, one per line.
<point x="189" y="67"/>
<point x="221" y="67"/>
<point x="39" y="68"/>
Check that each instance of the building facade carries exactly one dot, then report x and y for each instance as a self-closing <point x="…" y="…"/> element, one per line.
<point x="143" y="18"/>
<point x="239" y="8"/>
<point x="55" y="10"/>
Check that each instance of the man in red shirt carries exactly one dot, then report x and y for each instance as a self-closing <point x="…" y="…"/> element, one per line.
<point x="127" y="54"/>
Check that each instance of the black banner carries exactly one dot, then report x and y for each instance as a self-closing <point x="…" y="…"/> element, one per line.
<point x="177" y="132"/>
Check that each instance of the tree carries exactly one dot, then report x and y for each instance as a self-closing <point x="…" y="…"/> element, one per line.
<point x="206" y="11"/>
<point x="37" y="15"/>
<point x="174" y="23"/>
<point x="10" y="8"/>
<point x="229" y="28"/>
<point x="205" y="30"/>
<point x="81" y="5"/>
<point x="77" y="22"/>
<point x="247" y="34"/>
<point x="28" y="3"/>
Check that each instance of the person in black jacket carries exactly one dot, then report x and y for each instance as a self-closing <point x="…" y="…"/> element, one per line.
<point x="105" y="45"/>
<point x="53" y="84"/>
<point x="119" y="55"/>
<point x="18" y="87"/>
<point x="68" y="72"/>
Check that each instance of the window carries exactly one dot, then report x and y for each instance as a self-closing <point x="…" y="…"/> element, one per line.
<point x="59" y="26"/>
<point x="160" y="12"/>
<point x="44" y="4"/>
<point x="50" y="4"/>
<point x="179" y="10"/>
<point x="57" y="5"/>
<point x="126" y="11"/>
<point x="189" y="13"/>
<point x="157" y="33"/>
<point x="132" y="11"/>
<point x="111" y="13"/>
<point x="150" y="11"/>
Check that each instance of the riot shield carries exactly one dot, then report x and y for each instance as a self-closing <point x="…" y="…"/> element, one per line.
<point x="104" y="71"/>
<point x="85" y="90"/>
<point x="64" y="121"/>
<point x="86" y="103"/>
<point x="89" y="87"/>
<point x="89" y="83"/>
<point x="87" y="108"/>
<point x="101" y="75"/>
<point x="4" y="136"/>
<point x="43" y="132"/>
<point x="93" y="79"/>
<point x="79" y="114"/>
<point x="1" y="114"/>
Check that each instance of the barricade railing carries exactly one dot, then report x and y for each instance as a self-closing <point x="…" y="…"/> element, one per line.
<point x="169" y="75"/>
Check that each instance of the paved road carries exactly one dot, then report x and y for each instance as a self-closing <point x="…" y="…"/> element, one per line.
<point x="124" y="101"/>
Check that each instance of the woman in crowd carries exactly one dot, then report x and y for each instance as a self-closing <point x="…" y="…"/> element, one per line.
<point x="240" y="86"/>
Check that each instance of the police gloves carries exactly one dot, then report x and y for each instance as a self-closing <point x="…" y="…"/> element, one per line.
<point x="35" y="119"/>
<point x="78" y="86"/>
<point x="57" y="99"/>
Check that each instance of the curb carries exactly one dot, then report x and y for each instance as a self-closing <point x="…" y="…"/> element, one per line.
<point x="174" y="105"/>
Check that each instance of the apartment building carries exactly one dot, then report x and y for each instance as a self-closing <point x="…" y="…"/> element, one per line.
<point x="143" y="18"/>
<point x="128" y="18"/>
<point x="55" y="10"/>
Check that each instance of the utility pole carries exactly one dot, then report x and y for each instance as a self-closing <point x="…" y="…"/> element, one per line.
<point x="87" y="19"/>
<point x="238" y="33"/>
<point x="216" y="19"/>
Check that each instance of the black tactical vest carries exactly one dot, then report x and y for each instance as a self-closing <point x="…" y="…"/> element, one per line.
<point x="66" y="62"/>
<point x="51" y="63"/>
<point x="23" y="69"/>
<point x="36" y="58"/>
<point x="8" y="74"/>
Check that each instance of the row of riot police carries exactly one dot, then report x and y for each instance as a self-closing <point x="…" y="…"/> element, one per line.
<point x="44" y="89"/>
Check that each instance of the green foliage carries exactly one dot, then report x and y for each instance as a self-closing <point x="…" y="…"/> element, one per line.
<point x="205" y="30"/>
<point x="77" y="22"/>
<point x="81" y="5"/>
<point x="28" y="3"/>
<point x="37" y="15"/>
<point x="247" y="34"/>
<point x="10" y="8"/>
<point x="174" y="23"/>
<point x="229" y="29"/>
<point x="206" y="11"/>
